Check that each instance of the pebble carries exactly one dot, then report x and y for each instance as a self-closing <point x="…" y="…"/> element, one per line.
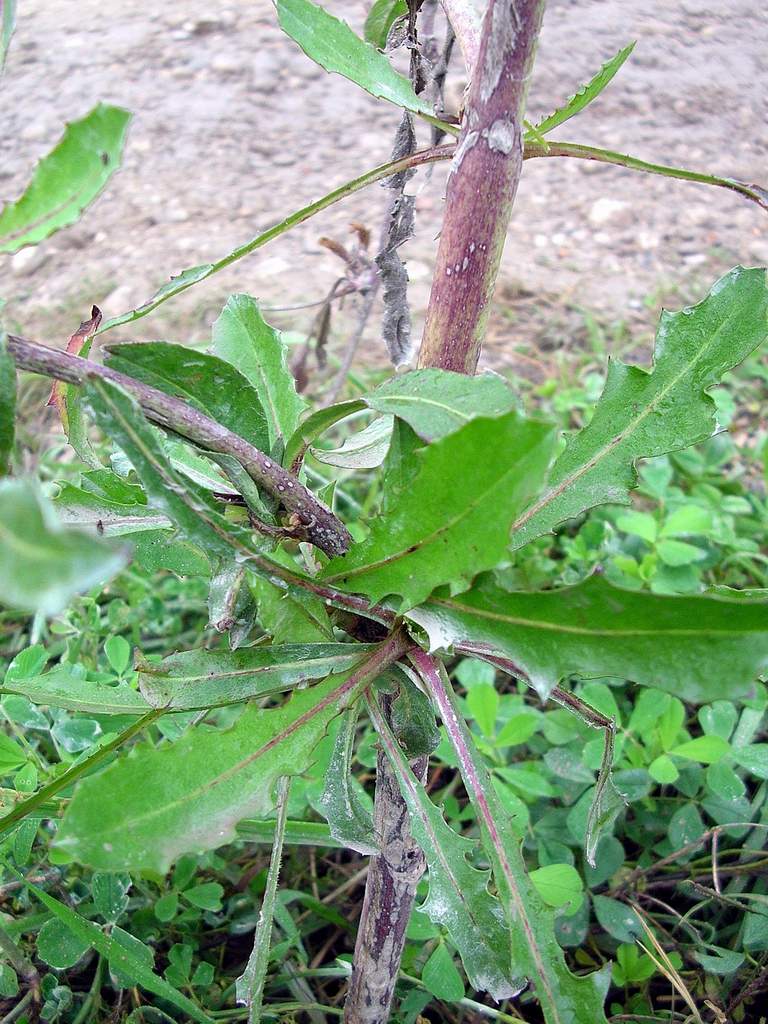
<point x="604" y="210"/>
<point x="26" y="261"/>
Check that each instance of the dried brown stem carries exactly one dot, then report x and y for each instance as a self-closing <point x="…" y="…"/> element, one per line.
<point x="390" y="890"/>
<point x="318" y="523"/>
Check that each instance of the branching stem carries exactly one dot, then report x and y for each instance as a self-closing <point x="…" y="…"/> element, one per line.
<point x="319" y="524"/>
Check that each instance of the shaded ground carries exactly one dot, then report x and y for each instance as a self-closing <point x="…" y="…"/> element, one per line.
<point x="233" y="128"/>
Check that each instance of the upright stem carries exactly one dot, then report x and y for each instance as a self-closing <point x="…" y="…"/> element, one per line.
<point x="390" y="891"/>
<point x="481" y="187"/>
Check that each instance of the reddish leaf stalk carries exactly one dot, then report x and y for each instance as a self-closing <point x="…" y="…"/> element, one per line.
<point x="481" y="187"/>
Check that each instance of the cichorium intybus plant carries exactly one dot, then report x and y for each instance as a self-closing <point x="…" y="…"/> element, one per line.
<point x="211" y="476"/>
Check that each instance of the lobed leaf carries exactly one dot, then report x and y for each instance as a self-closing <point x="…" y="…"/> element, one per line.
<point x="334" y="46"/>
<point x="245" y="339"/>
<point x="192" y="510"/>
<point x="147" y="809"/>
<point x="67" y="180"/>
<point x="458" y="898"/>
<point x="452" y="519"/>
<point x="205" y="679"/>
<point x="207" y="383"/>
<point x="435" y="403"/>
<point x="642" y="413"/>
<point x="700" y="648"/>
<point x="289" y="616"/>
<point x="42" y="564"/>
<point x="535" y="951"/>
<point x="365" y="449"/>
<point x="583" y="96"/>
<point x="350" y="822"/>
<point x="432" y="402"/>
<point x="78" y="507"/>
<point x="59" y="688"/>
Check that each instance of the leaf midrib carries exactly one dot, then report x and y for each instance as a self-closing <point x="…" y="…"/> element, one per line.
<point x="556" y="492"/>
<point x="417" y="546"/>
<point x="557" y="627"/>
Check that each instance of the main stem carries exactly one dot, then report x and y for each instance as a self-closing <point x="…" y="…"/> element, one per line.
<point x="481" y="191"/>
<point x="481" y="187"/>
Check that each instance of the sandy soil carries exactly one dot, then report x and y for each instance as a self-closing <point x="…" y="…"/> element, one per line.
<point x="233" y="128"/>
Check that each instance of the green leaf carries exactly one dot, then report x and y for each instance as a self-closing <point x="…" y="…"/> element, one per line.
<point x="413" y="719"/>
<point x="452" y="520"/>
<point x="118" y="652"/>
<point x="585" y="95"/>
<point x="199" y="679"/>
<point x="700" y="648"/>
<point x="518" y="729"/>
<point x="723" y="781"/>
<point x="7" y="25"/>
<point x="67" y="180"/>
<point x="9" y="982"/>
<point x="440" y="976"/>
<point x="156" y="549"/>
<point x="167" y="907"/>
<point x="724" y="961"/>
<point x="60" y="947"/>
<point x="7" y="404"/>
<point x="643" y="413"/>
<point x="689" y="519"/>
<point x="630" y="966"/>
<point x="381" y="17"/>
<point x="677" y="552"/>
<point x="559" y="885"/>
<point x="207" y="383"/>
<point x="719" y="719"/>
<point x="11" y="754"/>
<point x="663" y="770"/>
<point x="148" y="808"/>
<point x="639" y="524"/>
<point x="316" y="424"/>
<point x="685" y="826"/>
<point x="42" y="564"/>
<point x="290" y="615"/>
<point x="350" y="822"/>
<point x="190" y="509"/>
<point x="435" y="403"/>
<point x="120" y="956"/>
<point x="110" y="895"/>
<point x="334" y="46"/>
<point x="242" y="337"/>
<point x="249" y="987"/>
<point x="364" y="450"/>
<point x="535" y="952"/>
<point x="60" y="688"/>
<point x="206" y="896"/>
<point x="754" y="758"/>
<point x="704" y="749"/>
<point x="458" y="898"/>
<point x="78" y="507"/>
<point x="483" y="706"/>
<point x="619" y="920"/>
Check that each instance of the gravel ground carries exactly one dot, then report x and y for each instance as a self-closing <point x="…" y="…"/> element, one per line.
<point x="233" y="128"/>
